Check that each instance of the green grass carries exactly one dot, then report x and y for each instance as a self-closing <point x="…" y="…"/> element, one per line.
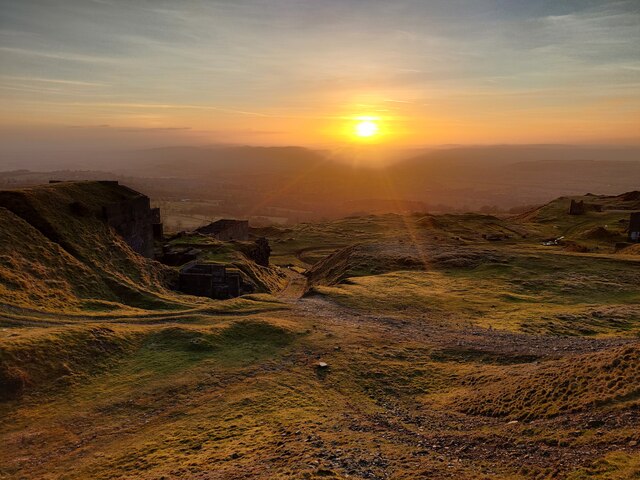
<point x="614" y="466"/>
<point x="563" y="295"/>
<point x="232" y="389"/>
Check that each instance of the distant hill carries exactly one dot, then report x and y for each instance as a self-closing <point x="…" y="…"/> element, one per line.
<point x="509" y="154"/>
<point x="531" y="171"/>
<point x="252" y="180"/>
<point x="227" y="160"/>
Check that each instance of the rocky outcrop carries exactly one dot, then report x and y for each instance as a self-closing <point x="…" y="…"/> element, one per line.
<point x="259" y="251"/>
<point x="227" y="230"/>
<point x="577" y="208"/>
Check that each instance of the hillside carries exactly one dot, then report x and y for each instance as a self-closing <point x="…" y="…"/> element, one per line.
<point x="59" y="224"/>
<point x="401" y="347"/>
<point x="604" y="222"/>
<point x="35" y="272"/>
<point x="59" y="255"/>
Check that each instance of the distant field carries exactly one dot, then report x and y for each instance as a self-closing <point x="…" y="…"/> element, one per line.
<point x="191" y="214"/>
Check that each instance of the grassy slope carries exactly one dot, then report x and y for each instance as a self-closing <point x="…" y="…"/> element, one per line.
<point x="416" y="387"/>
<point x="600" y="379"/>
<point x="552" y="220"/>
<point x="80" y="239"/>
<point x="35" y="271"/>
<point x="558" y="295"/>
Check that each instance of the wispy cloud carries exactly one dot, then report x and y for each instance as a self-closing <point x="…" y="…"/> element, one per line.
<point x="67" y="56"/>
<point x="290" y="64"/>
<point x="58" y="81"/>
<point x="158" y="106"/>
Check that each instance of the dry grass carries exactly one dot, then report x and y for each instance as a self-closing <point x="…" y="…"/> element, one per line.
<point x="560" y="296"/>
<point x="604" y="379"/>
<point x="434" y="338"/>
<point x="54" y="259"/>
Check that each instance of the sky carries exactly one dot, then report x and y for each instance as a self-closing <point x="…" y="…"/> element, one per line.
<point x="274" y="72"/>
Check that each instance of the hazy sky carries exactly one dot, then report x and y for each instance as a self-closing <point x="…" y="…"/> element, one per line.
<point x="298" y="71"/>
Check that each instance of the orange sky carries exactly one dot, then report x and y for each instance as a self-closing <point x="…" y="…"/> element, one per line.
<point x="290" y="72"/>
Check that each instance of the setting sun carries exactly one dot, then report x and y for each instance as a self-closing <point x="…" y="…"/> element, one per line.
<point x="366" y="128"/>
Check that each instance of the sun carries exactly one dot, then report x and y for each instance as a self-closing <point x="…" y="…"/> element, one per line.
<point x="366" y="128"/>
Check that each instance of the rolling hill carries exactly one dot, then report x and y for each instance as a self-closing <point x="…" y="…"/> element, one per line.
<point x="422" y="346"/>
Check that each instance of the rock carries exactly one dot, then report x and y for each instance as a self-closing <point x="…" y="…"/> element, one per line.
<point x="595" y="423"/>
<point x="258" y="251"/>
<point x="633" y="443"/>
<point x="322" y="365"/>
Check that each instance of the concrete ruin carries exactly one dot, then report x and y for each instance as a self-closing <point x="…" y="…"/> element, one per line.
<point x="211" y="280"/>
<point x="134" y="220"/>
<point x="156" y="224"/>
<point x="634" y="227"/>
<point x="127" y="211"/>
<point x="259" y="251"/>
<point x="176" y="256"/>
<point x="580" y="207"/>
<point x="577" y="208"/>
<point x="227" y="230"/>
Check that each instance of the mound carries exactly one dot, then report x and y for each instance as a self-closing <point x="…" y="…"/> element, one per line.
<point x="633" y="196"/>
<point x="599" y="233"/>
<point x="332" y="269"/>
<point x="391" y="256"/>
<point x="69" y="215"/>
<point x="57" y="250"/>
<point x="46" y="358"/>
<point x="470" y="226"/>
<point x="529" y="216"/>
<point x="570" y="246"/>
<point x="429" y="221"/>
<point x="559" y="208"/>
<point x="632" y="250"/>
<point x="607" y="378"/>
<point x="264" y="279"/>
<point x="34" y="271"/>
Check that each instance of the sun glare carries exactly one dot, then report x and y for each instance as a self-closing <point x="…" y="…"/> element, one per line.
<point x="366" y="128"/>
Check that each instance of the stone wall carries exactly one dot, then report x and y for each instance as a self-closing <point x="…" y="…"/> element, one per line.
<point x="210" y="280"/>
<point x="132" y="220"/>
<point x="634" y="227"/>
<point x="577" y="208"/>
<point x="259" y="251"/>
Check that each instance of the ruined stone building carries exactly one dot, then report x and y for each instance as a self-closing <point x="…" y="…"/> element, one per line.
<point x="577" y="208"/>
<point x="210" y="280"/>
<point x="634" y="227"/>
<point x="259" y="251"/>
<point x="227" y="230"/>
<point x="580" y="207"/>
<point x="134" y="219"/>
<point x="127" y="211"/>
